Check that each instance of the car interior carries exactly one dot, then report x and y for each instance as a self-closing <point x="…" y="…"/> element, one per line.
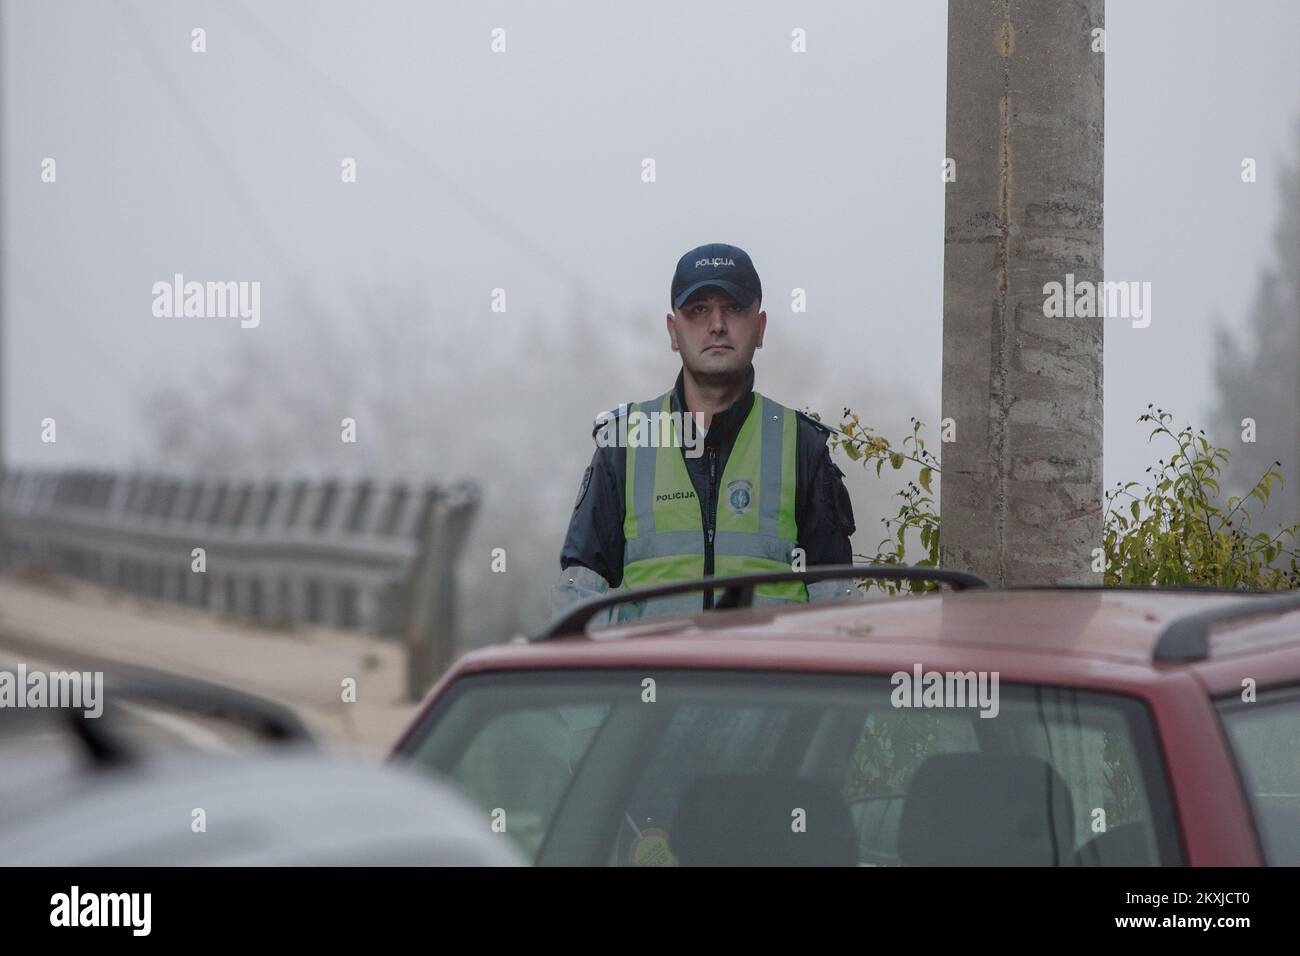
<point x="787" y="772"/>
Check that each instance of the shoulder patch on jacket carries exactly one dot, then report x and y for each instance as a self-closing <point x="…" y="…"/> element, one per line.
<point x="582" y="490"/>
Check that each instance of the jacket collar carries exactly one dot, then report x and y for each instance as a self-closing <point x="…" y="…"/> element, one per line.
<point x="725" y="423"/>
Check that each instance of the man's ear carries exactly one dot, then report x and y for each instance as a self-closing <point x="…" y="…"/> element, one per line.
<point x="762" y="327"/>
<point x="672" y="330"/>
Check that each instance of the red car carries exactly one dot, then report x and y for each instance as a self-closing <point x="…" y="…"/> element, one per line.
<point x="1057" y="727"/>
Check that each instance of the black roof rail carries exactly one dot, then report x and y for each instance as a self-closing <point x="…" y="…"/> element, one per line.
<point x="739" y="589"/>
<point x="1188" y="638"/>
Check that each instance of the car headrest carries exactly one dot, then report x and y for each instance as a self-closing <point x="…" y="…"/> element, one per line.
<point x="749" y="819"/>
<point x="986" y="810"/>
<point x="1124" y="845"/>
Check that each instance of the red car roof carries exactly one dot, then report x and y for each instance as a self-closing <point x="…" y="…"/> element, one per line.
<point x="1091" y="636"/>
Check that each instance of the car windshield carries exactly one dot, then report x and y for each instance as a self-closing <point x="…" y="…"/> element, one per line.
<point x="720" y="768"/>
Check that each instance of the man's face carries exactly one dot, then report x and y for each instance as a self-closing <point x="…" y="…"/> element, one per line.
<point x="715" y="335"/>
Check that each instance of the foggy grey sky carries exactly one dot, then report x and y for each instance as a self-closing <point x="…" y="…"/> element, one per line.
<point x="825" y="166"/>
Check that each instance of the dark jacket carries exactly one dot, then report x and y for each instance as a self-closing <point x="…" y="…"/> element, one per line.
<point x="823" y="513"/>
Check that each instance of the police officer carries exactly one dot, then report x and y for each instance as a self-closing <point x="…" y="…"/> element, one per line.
<point x="654" y="507"/>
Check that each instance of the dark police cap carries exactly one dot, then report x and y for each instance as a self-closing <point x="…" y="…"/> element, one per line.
<point x="718" y="265"/>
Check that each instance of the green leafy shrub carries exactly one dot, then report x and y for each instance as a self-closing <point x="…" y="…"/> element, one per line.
<point x="1173" y="532"/>
<point x="918" y="514"/>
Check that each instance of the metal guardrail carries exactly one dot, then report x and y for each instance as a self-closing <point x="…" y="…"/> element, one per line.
<point x="354" y="555"/>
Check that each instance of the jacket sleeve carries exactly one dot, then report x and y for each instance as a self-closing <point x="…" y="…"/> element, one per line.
<point x="575" y="585"/>
<point x="591" y="560"/>
<point x="826" y="516"/>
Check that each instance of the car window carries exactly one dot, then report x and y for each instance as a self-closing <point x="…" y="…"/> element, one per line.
<point x="1086" y="741"/>
<point x="517" y="761"/>
<point x="1265" y="736"/>
<point x="699" y="739"/>
<point x="733" y="768"/>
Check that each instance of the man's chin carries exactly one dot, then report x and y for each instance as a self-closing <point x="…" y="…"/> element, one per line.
<point x="719" y="367"/>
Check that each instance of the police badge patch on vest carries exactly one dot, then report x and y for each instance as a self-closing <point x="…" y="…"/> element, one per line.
<point x="739" y="494"/>
<point x="582" y="491"/>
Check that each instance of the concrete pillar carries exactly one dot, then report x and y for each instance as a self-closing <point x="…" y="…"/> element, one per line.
<point x="1021" y="492"/>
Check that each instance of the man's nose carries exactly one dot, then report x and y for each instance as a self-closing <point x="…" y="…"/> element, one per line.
<point x="718" y="320"/>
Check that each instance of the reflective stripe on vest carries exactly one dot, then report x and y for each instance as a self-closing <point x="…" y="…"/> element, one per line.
<point x="755" y="526"/>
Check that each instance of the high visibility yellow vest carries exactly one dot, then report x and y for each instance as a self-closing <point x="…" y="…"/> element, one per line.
<point x="755" y="526"/>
